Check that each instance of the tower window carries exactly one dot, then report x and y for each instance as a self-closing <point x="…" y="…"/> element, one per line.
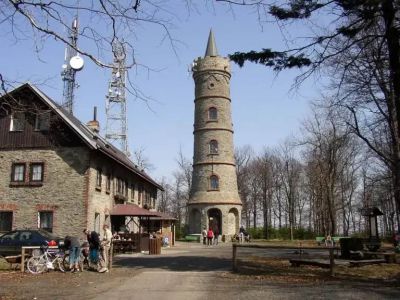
<point x="214" y="183"/>
<point x="213" y="147"/>
<point x="212" y="114"/>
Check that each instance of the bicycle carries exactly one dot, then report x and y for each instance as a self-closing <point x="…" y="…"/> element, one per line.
<point x="49" y="260"/>
<point x="84" y="261"/>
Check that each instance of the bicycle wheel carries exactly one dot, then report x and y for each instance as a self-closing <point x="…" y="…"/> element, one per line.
<point x="82" y="262"/>
<point x="60" y="263"/>
<point x="65" y="262"/>
<point x="36" y="264"/>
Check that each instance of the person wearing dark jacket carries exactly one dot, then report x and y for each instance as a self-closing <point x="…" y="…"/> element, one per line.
<point x="94" y="245"/>
<point x="74" y="246"/>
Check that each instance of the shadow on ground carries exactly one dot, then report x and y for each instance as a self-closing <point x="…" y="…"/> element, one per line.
<point x="175" y="263"/>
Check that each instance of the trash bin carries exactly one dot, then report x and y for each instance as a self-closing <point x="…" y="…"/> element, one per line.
<point x="155" y="246"/>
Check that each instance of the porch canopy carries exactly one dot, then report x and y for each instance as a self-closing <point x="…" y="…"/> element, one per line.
<point x="132" y="210"/>
<point x="162" y="216"/>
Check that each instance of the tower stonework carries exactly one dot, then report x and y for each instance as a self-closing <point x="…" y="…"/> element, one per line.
<point x="214" y="199"/>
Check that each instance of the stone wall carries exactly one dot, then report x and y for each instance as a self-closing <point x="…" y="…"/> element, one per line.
<point x="63" y="190"/>
<point x="101" y="200"/>
<point x="230" y="217"/>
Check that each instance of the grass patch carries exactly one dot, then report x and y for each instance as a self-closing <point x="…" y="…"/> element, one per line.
<point x="280" y="270"/>
<point x="4" y="265"/>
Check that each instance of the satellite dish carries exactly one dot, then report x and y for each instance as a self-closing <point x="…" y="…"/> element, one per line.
<point x="64" y="66"/>
<point x="76" y="63"/>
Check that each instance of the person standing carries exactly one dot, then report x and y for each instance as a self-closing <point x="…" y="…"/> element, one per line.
<point x="216" y="235"/>
<point x="105" y="248"/>
<point x="241" y="234"/>
<point x="204" y="234"/>
<point x="74" y="246"/>
<point x="94" y="246"/>
<point x="210" y="235"/>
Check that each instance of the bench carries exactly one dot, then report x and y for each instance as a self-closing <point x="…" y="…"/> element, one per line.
<point x="310" y="262"/>
<point x="365" y="262"/>
<point x="335" y="239"/>
<point x="192" y="238"/>
<point x="389" y="257"/>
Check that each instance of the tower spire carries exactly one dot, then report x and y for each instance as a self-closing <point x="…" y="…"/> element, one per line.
<point x="211" y="46"/>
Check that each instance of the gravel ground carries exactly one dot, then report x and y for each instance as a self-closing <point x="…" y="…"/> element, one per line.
<point x="187" y="271"/>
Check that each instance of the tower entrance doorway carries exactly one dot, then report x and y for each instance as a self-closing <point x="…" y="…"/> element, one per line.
<point x="214" y="219"/>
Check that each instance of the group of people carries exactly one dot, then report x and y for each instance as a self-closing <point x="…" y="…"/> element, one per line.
<point x="97" y="252"/>
<point x="242" y="236"/>
<point x="210" y="236"/>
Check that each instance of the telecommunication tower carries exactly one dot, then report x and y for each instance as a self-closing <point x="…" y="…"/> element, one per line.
<point x="116" y="128"/>
<point x="72" y="63"/>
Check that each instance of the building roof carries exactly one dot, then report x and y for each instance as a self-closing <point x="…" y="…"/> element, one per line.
<point x="371" y="211"/>
<point x="92" y="139"/>
<point x="162" y="216"/>
<point x="211" y="46"/>
<point x="132" y="210"/>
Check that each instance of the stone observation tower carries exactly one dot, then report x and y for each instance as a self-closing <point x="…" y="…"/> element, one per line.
<point x="214" y="199"/>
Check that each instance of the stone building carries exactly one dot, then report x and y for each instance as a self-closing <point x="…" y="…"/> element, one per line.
<point x="214" y="199"/>
<point x="59" y="174"/>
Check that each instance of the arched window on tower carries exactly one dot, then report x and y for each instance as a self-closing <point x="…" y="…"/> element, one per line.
<point x="214" y="183"/>
<point x="213" y="114"/>
<point x="213" y="147"/>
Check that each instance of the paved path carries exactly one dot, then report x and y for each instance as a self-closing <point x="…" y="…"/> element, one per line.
<point x="192" y="271"/>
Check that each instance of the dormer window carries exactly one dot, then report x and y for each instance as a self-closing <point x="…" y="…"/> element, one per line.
<point x="17" y="121"/>
<point x="212" y="114"/>
<point x="213" y="147"/>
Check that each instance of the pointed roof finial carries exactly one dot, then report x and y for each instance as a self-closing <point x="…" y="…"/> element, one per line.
<point x="211" y="46"/>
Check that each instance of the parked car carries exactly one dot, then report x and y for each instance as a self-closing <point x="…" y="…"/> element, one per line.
<point x="12" y="242"/>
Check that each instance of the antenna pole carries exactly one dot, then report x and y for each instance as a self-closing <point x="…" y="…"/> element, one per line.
<point x="68" y="73"/>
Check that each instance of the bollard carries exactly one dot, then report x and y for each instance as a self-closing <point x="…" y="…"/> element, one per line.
<point x="234" y="261"/>
<point x="331" y="262"/>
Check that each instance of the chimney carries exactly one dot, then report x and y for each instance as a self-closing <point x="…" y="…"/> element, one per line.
<point x="94" y="124"/>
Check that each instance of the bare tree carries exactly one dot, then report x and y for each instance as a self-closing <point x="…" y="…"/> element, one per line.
<point x="243" y="156"/>
<point x="289" y="171"/>
<point x="142" y="161"/>
<point x="102" y="24"/>
<point x="356" y="27"/>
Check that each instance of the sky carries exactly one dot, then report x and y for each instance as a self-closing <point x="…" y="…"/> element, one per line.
<point x="265" y="109"/>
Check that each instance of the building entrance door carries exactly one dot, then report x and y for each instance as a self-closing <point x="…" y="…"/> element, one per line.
<point x="214" y="219"/>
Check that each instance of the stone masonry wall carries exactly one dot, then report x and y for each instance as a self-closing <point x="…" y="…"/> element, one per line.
<point x="230" y="222"/>
<point x="63" y="190"/>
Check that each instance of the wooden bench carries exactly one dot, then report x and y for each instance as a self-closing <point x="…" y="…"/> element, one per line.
<point x="335" y="239"/>
<point x="389" y="257"/>
<point x="365" y="262"/>
<point x="311" y="262"/>
<point x="320" y="240"/>
<point x="193" y="238"/>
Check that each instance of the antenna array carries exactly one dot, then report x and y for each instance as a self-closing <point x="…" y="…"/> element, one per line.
<point x="116" y="128"/>
<point x="72" y="63"/>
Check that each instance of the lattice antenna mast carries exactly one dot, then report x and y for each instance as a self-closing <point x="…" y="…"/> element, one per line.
<point x="116" y="125"/>
<point x="72" y="64"/>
